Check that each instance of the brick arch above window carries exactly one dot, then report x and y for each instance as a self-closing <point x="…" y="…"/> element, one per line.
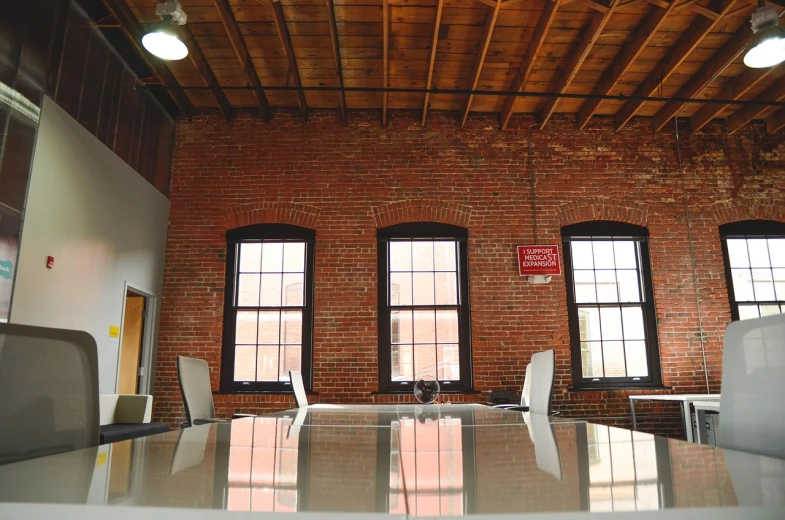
<point x="728" y="212"/>
<point x="589" y="209"/>
<point x="272" y="213"/>
<point x="422" y="210"/>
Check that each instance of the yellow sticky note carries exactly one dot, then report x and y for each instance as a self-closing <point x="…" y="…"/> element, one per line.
<point x="114" y="331"/>
<point x="101" y="459"/>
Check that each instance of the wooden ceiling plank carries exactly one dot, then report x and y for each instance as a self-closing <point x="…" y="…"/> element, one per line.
<point x="544" y="23"/>
<point x="439" y="7"/>
<point x="740" y="118"/>
<point x="133" y="31"/>
<point x="776" y="121"/>
<point x="659" y="3"/>
<point x="708" y="13"/>
<point x="630" y="51"/>
<point x="485" y="42"/>
<point x="241" y="51"/>
<point x="597" y="6"/>
<point x="578" y="56"/>
<point x="200" y="62"/>
<point x="688" y="42"/>
<point x="288" y="49"/>
<point x="337" y="57"/>
<point x="385" y="55"/>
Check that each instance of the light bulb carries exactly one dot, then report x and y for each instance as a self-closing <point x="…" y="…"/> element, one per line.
<point x="767" y="52"/>
<point x="163" y="43"/>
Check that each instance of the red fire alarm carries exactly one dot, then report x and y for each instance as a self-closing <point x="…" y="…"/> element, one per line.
<point x="50" y="262"/>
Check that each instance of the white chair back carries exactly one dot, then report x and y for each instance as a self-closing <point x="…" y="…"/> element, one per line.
<point x="299" y="389"/>
<point x="752" y="406"/>
<point x="527" y="387"/>
<point x="543" y="366"/>
<point x="194" y="376"/>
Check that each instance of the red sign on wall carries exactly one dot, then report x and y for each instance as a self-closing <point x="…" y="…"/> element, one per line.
<point x="533" y="260"/>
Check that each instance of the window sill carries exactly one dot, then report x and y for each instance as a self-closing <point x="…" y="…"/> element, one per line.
<point x="625" y="388"/>
<point x="261" y="392"/>
<point x="409" y="391"/>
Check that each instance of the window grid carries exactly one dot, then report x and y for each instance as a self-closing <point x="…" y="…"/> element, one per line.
<point x="757" y="303"/>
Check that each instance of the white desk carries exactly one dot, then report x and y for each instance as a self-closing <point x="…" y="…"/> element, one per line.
<point x="397" y="462"/>
<point x="684" y="399"/>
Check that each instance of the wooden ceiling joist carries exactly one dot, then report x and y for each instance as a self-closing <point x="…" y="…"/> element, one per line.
<point x="288" y="50"/>
<point x="577" y="57"/>
<point x="243" y="56"/>
<point x="740" y="118"/>
<point x="485" y="42"/>
<point x="337" y="58"/>
<point x="133" y="31"/>
<point x="697" y="31"/>
<point x="385" y="56"/>
<point x="776" y="121"/>
<point x="631" y="50"/>
<point x="432" y="61"/>
<point x="200" y="62"/>
<point x="544" y="23"/>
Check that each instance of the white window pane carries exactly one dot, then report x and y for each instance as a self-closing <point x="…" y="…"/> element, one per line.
<point x="400" y="256"/>
<point x="581" y="254"/>
<point x="250" y="257"/>
<point x="400" y="288"/>
<point x="292" y="327"/>
<point x="629" y="288"/>
<point x="585" y="291"/>
<point x="401" y="327"/>
<point x="447" y="326"/>
<point x="769" y="310"/>
<point x="632" y="318"/>
<point x="269" y="327"/>
<point x="248" y="290"/>
<point x="777" y="252"/>
<point x="742" y="285"/>
<point x="591" y="359"/>
<point x="272" y="257"/>
<point x="245" y="362"/>
<point x="613" y="355"/>
<point x="779" y="283"/>
<point x="267" y="363"/>
<point x="245" y="328"/>
<point x="637" y="365"/>
<point x="737" y="252"/>
<point x="603" y="254"/>
<point x="759" y="252"/>
<point x="747" y="312"/>
<point x="610" y="320"/>
<point x="270" y="292"/>
<point x="423" y="289"/>
<point x="444" y="256"/>
<point x="422" y="255"/>
<point x="446" y="288"/>
<point x="294" y="257"/>
<point x="606" y="286"/>
<point x="402" y="362"/>
<point x="291" y="359"/>
<point x="764" y="286"/>
<point x="424" y="327"/>
<point x="293" y="289"/>
<point x="589" y="322"/>
<point x="424" y="361"/>
<point x="447" y="362"/>
<point x="625" y="254"/>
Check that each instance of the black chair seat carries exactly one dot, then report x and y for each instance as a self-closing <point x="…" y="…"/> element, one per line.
<point x="122" y="432"/>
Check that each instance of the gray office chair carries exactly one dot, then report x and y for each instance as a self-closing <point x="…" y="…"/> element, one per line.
<point x="194" y="376"/>
<point x="48" y="391"/>
<point x="752" y="406"/>
<point x="541" y="371"/>
<point x="298" y="387"/>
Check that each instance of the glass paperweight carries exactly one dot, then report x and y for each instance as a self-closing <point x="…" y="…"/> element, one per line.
<point x="426" y="390"/>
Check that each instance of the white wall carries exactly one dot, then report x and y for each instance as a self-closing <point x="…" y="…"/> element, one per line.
<point x="104" y="225"/>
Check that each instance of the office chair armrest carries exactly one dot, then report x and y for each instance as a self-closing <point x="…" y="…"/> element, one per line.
<point x="515" y="408"/>
<point x="205" y="420"/>
<point x="507" y="406"/>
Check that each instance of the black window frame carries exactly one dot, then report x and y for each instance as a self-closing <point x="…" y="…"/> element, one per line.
<point x="746" y="229"/>
<point x="612" y="230"/>
<point x="424" y="231"/>
<point x="261" y="233"/>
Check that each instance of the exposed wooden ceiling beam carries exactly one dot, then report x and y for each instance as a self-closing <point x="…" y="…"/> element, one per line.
<point x="690" y="39"/>
<point x="740" y="118"/>
<point x="337" y="57"/>
<point x="596" y="6"/>
<point x="288" y="49"/>
<point x="436" y="25"/>
<point x="200" y="62"/>
<point x="241" y="51"/>
<point x="629" y="53"/>
<point x="133" y="31"/>
<point x="775" y="121"/>
<point x="385" y="55"/>
<point x="708" y="13"/>
<point x="734" y="89"/>
<point x="485" y="43"/>
<point x="724" y="56"/>
<point x="538" y="38"/>
<point x="577" y="57"/>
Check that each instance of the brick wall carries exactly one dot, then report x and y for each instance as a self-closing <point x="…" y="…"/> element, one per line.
<point x="347" y="181"/>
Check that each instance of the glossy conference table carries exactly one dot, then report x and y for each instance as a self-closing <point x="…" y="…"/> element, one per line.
<point x="400" y="461"/>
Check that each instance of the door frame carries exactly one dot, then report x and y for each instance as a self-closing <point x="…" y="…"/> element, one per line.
<point x="149" y="338"/>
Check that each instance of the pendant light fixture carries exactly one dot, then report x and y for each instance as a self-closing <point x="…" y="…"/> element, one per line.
<point x="164" y="39"/>
<point x="768" y="44"/>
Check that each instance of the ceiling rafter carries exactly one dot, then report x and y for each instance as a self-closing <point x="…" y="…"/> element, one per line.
<point x="630" y="51"/>
<point x="740" y="118"/>
<point x="133" y="31"/>
<point x="485" y="42"/>
<point x="527" y="64"/>
<point x="432" y="61"/>
<point x="595" y="5"/>
<point x="288" y="49"/>
<point x="697" y="31"/>
<point x="243" y="56"/>
<point x="775" y="121"/>
<point x="577" y="57"/>
<point x="708" y="13"/>
<point x="200" y="62"/>
<point x="336" y="57"/>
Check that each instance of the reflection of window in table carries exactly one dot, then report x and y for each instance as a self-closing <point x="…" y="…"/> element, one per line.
<point x="262" y="466"/>
<point x="754" y="253"/>
<point x="426" y="460"/>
